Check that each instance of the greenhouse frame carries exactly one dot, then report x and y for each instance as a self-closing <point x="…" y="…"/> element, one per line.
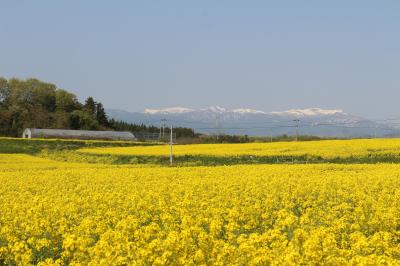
<point x="77" y="134"/>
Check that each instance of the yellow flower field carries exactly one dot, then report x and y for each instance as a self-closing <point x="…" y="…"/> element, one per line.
<point x="52" y="214"/>
<point x="324" y="149"/>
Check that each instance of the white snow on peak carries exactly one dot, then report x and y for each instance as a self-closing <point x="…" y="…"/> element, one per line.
<point x="221" y="110"/>
<point x="309" y="112"/>
<point x="247" y="111"/>
<point x="172" y="110"/>
<point x="215" y="109"/>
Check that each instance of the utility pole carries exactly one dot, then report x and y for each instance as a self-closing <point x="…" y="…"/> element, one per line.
<point x="170" y="148"/>
<point x="297" y="128"/>
<point x="160" y="129"/>
<point x="162" y="123"/>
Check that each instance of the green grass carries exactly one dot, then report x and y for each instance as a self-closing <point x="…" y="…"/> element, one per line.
<point x="202" y="160"/>
<point x="36" y="146"/>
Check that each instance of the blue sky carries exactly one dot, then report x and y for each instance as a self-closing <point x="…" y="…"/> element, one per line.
<point x="267" y="55"/>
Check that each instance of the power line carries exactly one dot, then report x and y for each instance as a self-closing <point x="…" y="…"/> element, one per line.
<point x="202" y="125"/>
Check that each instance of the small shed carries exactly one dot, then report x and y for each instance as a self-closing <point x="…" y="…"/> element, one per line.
<point x="77" y="134"/>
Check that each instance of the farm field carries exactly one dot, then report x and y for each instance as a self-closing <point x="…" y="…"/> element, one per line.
<point x="333" y="151"/>
<point x="58" y="213"/>
<point x="186" y="133"/>
<point x="325" y="149"/>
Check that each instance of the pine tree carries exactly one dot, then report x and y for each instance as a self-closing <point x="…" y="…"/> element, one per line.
<point x="101" y="115"/>
<point x="90" y="106"/>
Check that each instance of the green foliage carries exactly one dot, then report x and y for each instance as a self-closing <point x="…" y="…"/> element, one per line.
<point x="4" y="91"/>
<point x="83" y="120"/>
<point x="90" y="106"/>
<point x="101" y="115"/>
<point x="37" y="104"/>
<point x="181" y="132"/>
<point x="37" y="146"/>
<point x="66" y="102"/>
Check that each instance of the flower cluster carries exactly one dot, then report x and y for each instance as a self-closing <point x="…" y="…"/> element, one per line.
<point x="58" y="213"/>
<point x="325" y="149"/>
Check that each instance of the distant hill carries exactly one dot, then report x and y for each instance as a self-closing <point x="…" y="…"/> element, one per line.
<point x="212" y="120"/>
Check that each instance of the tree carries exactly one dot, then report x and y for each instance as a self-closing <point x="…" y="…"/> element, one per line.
<point x="61" y="120"/>
<point x="5" y="122"/>
<point x="90" y="106"/>
<point x="43" y="94"/>
<point x="101" y="115"/>
<point x="20" y="94"/>
<point x="4" y="92"/>
<point x="82" y="120"/>
<point x="66" y="101"/>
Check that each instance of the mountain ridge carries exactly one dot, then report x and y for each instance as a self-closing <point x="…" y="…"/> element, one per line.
<point x="218" y="109"/>
<point x="247" y="121"/>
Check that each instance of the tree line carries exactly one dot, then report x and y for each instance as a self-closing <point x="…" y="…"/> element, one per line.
<point x="37" y="104"/>
<point x="141" y="128"/>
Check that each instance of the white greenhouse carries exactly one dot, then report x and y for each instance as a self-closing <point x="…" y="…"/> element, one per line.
<point x="77" y="134"/>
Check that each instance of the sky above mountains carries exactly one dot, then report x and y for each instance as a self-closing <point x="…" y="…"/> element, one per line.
<point x="265" y="55"/>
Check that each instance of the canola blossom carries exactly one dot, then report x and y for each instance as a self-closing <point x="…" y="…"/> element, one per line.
<point x="59" y="213"/>
<point x="324" y="149"/>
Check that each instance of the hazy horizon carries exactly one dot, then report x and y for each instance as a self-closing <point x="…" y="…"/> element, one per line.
<point x="261" y="55"/>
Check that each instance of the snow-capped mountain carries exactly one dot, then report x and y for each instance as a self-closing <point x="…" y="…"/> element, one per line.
<point x="216" y="119"/>
<point x="309" y="112"/>
<point x="247" y="111"/>
<point x="172" y="110"/>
